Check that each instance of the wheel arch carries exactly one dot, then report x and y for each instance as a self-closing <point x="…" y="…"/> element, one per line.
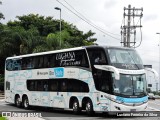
<point x="71" y="100"/>
<point x="16" y="95"/>
<point x="23" y="96"/>
<point x="84" y="101"/>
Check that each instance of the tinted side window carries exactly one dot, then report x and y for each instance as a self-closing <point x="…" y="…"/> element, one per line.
<point x="38" y="62"/>
<point x="51" y="60"/>
<point x="53" y="85"/>
<point x="97" y="56"/>
<point x="8" y="64"/>
<point x="35" y="62"/>
<point x="7" y="85"/>
<point x="40" y="86"/>
<point x="37" y="85"/>
<point x="102" y="81"/>
<point x="46" y="61"/>
<point x="31" y="85"/>
<point x="61" y="85"/>
<point x="13" y="64"/>
<point x="77" y="86"/>
<point x="40" y="65"/>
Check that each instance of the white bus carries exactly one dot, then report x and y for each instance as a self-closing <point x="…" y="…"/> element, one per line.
<point x="92" y="78"/>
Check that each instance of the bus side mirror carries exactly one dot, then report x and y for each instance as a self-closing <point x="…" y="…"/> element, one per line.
<point x="109" y="68"/>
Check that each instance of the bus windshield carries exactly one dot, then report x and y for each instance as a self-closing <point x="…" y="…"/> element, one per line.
<point x="125" y="58"/>
<point x="130" y="85"/>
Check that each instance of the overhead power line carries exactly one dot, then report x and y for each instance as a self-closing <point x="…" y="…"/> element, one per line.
<point x="88" y="21"/>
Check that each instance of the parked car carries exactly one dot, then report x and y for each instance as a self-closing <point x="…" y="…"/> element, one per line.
<point x="157" y="97"/>
<point x="151" y="96"/>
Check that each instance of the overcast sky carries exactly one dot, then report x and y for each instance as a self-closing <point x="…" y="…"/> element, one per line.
<point x="107" y="14"/>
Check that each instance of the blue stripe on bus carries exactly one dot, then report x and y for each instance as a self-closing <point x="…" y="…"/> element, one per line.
<point x="131" y="100"/>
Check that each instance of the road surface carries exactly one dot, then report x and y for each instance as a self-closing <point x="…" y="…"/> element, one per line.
<point x="50" y="114"/>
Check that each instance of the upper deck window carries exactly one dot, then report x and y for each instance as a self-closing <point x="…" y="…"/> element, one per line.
<point x="69" y="58"/>
<point x="125" y="58"/>
<point x="97" y="56"/>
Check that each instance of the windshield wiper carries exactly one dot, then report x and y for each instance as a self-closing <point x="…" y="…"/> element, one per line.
<point x="133" y="60"/>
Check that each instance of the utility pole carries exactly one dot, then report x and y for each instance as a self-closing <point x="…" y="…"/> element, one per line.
<point x="158" y="33"/>
<point x="130" y="28"/>
<point x="157" y="87"/>
<point x="129" y="23"/>
<point x="57" y="8"/>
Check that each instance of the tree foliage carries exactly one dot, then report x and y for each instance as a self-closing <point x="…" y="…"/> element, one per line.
<point x="45" y="27"/>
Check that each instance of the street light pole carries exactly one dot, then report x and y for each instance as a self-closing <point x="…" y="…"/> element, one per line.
<point x="57" y="8"/>
<point x="159" y="62"/>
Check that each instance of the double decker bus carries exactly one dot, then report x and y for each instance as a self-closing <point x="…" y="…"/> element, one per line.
<point x="91" y="78"/>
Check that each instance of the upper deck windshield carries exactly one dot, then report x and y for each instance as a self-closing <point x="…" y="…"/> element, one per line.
<point x="125" y="58"/>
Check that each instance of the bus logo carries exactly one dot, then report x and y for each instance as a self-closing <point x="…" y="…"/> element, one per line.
<point x="59" y="72"/>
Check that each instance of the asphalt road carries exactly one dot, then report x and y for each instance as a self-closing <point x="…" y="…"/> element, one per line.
<point x="56" y="114"/>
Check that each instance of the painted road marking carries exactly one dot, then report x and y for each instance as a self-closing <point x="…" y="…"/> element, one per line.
<point x="155" y="103"/>
<point x="154" y="109"/>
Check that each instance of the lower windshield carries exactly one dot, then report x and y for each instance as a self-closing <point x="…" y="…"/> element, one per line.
<point x="130" y="85"/>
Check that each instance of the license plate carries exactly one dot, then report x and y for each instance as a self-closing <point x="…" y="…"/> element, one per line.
<point x="132" y="110"/>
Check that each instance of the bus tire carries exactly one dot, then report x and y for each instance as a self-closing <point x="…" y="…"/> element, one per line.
<point x="17" y="101"/>
<point x="89" y="107"/>
<point x="25" y="102"/>
<point x="76" y="108"/>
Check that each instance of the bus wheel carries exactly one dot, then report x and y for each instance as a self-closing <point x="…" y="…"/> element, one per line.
<point x="76" y="108"/>
<point x="17" y="101"/>
<point x="89" y="107"/>
<point x="26" y="102"/>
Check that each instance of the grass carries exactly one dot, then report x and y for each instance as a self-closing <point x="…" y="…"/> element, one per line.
<point x="2" y="118"/>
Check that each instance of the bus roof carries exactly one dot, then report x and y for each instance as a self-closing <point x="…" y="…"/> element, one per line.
<point x="65" y="50"/>
<point x="109" y="47"/>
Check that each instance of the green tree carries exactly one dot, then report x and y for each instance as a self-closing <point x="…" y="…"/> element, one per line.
<point x="88" y="40"/>
<point x="54" y="42"/>
<point x="47" y="25"/>
<point x="31" y="41"/>
<point x="44" y="25"/>
<point x="7" y="43"/>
